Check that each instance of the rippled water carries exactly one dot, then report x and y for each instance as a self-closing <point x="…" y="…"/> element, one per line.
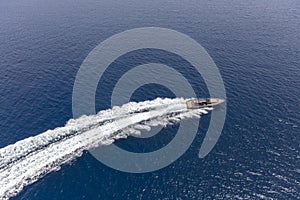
<point x="255" y="44"/>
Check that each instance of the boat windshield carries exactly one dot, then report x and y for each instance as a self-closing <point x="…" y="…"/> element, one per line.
<point x="201" y="101"/>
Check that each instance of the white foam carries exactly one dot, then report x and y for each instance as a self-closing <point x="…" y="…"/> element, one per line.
<point x="28" y="160"/>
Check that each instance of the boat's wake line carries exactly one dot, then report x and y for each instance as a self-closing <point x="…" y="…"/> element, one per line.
<point x="26" y="161"/>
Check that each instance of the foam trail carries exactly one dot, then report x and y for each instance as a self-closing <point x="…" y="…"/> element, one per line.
<point x="28" y="160"/>
<point x="11" y="153"/>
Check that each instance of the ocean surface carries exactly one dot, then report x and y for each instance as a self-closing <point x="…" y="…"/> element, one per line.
<point x="255" y="45"/>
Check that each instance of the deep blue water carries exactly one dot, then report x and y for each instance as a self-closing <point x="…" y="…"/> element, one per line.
<point x="256" y="46"/>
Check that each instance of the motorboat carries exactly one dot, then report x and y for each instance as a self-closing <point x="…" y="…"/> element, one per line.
<point x="203" y="102"/>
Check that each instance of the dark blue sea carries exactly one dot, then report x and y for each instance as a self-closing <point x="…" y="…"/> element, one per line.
<point x="255" y="45"/>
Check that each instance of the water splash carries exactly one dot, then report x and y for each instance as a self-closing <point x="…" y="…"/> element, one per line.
<point x="28" y="160"/>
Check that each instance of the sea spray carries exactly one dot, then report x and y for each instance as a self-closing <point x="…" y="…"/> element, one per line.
<point x="28" y="160"/>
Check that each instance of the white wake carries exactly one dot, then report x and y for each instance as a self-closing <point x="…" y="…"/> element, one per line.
<point x="28" y="160"/>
